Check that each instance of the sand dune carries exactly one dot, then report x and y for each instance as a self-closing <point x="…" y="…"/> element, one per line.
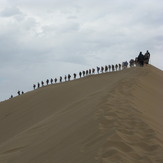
<point x="108" y="118"/>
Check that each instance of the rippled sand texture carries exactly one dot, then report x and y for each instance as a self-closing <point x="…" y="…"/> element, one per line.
<point x="114" y="117"/>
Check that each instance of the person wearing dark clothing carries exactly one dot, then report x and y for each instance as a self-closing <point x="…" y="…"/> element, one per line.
<point x="89" y="71"/>
<point x="93" y="70"/>
<point x="109" y="68"/>
<point x="102" y="69"/>
<point x="86" y="72"/>
<point x="60" y="79"/>
<point x="119" y="66"/>
<point x="132" y="63"/>
<point x="80" y="74"/>
<point x="141" y="59"/>
<point x="38" y="85"/>
<point x="47" y="81"/>
<point x="51" y="81"/>
<point x="83" y="73"/>
<point x="65" y="77"/>
<point x="74" y="76"/>
<point x="42" y="83"/>
<point x="106" y="68"/>
<point x="116" y="67"/>
<point x="22" y="92"/>
<point x="34" y="86"/>
<point x="146" y="57"/>
<point x="55" y="80"/>
<point x="98" y="69"/>
<point x="18" y="92"/>
<point x="69" y="77"/>
<point x="11" y="96"/>
<point x="112" y="67"/>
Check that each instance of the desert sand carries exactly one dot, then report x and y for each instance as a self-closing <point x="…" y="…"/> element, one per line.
<point x="114" y="117"/>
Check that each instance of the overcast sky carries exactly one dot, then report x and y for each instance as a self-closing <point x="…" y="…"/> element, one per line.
<point x="42" y="39"/>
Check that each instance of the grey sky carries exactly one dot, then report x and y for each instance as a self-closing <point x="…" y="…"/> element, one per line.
<point x="42" y="39"/>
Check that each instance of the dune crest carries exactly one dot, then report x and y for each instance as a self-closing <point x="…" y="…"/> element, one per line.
<point x="111" y="117"/>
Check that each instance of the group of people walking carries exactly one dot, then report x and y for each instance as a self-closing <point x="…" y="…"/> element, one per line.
<point x="139" y="61"/>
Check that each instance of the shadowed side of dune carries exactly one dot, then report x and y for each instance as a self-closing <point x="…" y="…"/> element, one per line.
<point x="112" y="117"/>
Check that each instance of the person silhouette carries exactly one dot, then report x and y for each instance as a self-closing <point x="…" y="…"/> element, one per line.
<point x="34" y="86"/>
<point x="51" y="81"/>
<point x="55" y="80"/>
<point x="18" y="92"/>
<point x="80" y="74"/>
<point x="90" y="72"/>
<point x="47" y="81"/>
<point x="120" y="66"/>
<point x="69" y="77"/>
<point x="116" y="67"/>
<point x="42" y="83"/>
<point x="74" y="76"/>
<point x="98" y="69"/>
<point x="112" y="67"/>
<point x="83" y="73"/>
<point x="146" y="57"/>
<point x="141" y="59"/>
<point x="60" y="79"/>
<point x="65" y="77"/>
<point x="109" y="68"/>
<point x="38" y="85"/>
<point x="93" y="70"/>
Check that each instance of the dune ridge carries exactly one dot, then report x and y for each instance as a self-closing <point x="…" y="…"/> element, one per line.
<point x="111" y="117"/>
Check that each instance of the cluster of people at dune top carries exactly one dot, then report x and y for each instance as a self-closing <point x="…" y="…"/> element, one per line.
<point x="138" y="61"/>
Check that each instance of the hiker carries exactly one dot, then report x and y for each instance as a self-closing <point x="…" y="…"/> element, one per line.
<point x="112" y="67"/>
<point x="65" y="77"/>
<point x="109" y="68"/>
<point x="42" y="83"/>
<point x="83" y="73"/>
<point x="34" y="86"/>
<point x="51" y="81"/>
<point x="132" y="63"/>
<point x="98" y="69"/>
<point x="47" y="81"/>
<point x="86" y="72"/>
<point x="55" y="80"/>
<point x="102" y="69"/>
<point x="146" y="57"/>
<point x="116" y="67"/>
<point x="89" y="71"/>
<point x="141" y="59"/>
<point x="80" y="74"/>
<point x="18" y="92"/>
<point x="74" y="76"/>
<point x="119" y="66"/>
<point x="60" y="79"/>
<point x="69" y="77"/>
<point x="124" y="64"/>
<point x="136" y="61"/>
<point x="106" y="68"/>
<point x="93" y="70"/>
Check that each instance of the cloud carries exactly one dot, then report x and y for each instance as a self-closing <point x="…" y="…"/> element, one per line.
<point x="44" y="38"/>
<point x="10" y="11"/>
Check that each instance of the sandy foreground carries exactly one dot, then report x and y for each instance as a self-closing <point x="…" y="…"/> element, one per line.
<point x="115" y="117"/>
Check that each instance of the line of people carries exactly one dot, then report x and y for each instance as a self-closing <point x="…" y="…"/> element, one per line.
<point x="139" y="61"/>
<point x="81" y="74"/>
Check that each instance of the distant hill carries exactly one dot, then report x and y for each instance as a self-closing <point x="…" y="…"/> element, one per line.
<point x="106" y="118"/>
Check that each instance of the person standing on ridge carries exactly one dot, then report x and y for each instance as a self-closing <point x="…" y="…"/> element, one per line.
<point x="141" y="59"/>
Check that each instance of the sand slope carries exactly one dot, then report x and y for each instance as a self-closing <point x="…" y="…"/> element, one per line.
<point x="106" y="118"/>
